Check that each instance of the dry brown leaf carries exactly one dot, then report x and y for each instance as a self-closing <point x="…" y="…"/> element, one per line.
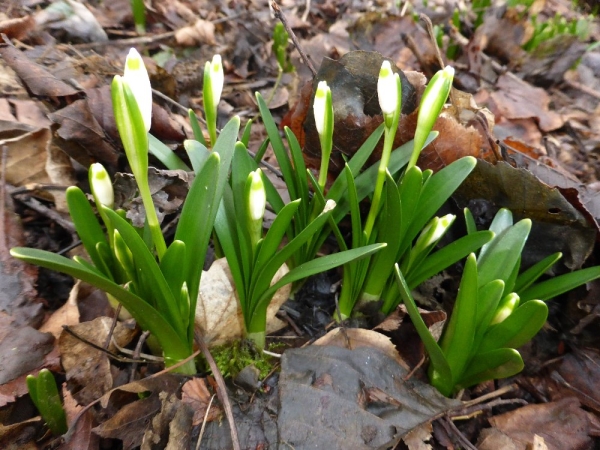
<point x="26" y="156"/>
<point x="517" y="99"/>
<point x="218" y="312"/>
<point x="202" y="32"/>
<point x="130" y="422"/>
<point x="403" y="335"/>
<point x="19" y="436"/>
<point x="173" y="414"/>
<point x="417" y="437"/>
<point x="85" y="366"/>
<point x="563" y="425"/>
<point x="68" y="314"/>
<point x="80" y="136"/>
<point x="39" y="81"/>
<point x="17" y="28"/>
<point x="30" y="113"/>
<point x="195" y="393"/>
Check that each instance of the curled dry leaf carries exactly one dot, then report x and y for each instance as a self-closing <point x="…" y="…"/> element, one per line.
<point x="80" y="136"/>
<point x="164" y="431"/>
<point x="218" y="311"/>
<point x="557" y="224"/>
<point x="168" y="189"/>
<point x="202" y="32"/>
<point x="68" y="314"/>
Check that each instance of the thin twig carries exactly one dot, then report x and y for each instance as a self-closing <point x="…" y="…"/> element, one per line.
<point x="107" y="352"/>
<point x="438" y="53"/>
<point x="204" y="422"/>
<point x="279" y="15"/>
<point x="431" y="34"/>
<point x="136" y="354"/>
<point x="497" y="393"/>
<point x="113" y="325"/>
<point x="461" y="437"/>
<point x="409" y="375"/>
<point x="37" y="206"/>
<point x="4" y="243"/>
<point x="306" y="11"/>
<point x="478" y="409"/>
<point x="221" y="389"/>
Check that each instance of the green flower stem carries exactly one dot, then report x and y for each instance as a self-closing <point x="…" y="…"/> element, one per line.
<point x="388" y="142"/>
<point x="151" y="217"/>
<point x="188" y="368"/>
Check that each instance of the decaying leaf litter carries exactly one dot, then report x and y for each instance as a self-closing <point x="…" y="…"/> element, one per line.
<point x="56" y="117"/>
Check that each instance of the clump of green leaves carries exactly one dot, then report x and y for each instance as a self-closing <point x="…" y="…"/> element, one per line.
<point x="157" y="284"/>
<point x="402" y="209"/>
<point x="44" y="394"/>
<point x="254" y="259"/>
<point x="497" y="309"/>
<point x="547" y="30"/>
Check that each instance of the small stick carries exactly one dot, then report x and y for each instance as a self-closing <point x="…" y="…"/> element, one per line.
<point x="286" y="25"/>
<point x="497" y="393"/>
<point x="429" y="27"/>
<point x="221" y="389"/>
<point x="37" y="206"/>
<point x="136" y="353"/>
<point x="113" y="325"/>
<point x="474" y="412"/>
<point x="108" y="352"/>
<point x="438" y="53"/>
<point x="4" y="253"/>
<point x="204" y="422"/>
<point x="461" y="437"/>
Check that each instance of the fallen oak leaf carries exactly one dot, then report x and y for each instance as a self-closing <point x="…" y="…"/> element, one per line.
<point x="195" y="393"/>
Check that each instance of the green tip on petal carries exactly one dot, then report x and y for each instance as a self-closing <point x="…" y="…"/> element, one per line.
<point x="101" y="185"/>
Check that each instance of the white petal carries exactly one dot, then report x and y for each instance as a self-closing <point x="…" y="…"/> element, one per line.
<point x="101" y="185"/>
<point x="387" y="89"/>
<point x="258" y="198"/>
<point x="319" y="106"/>
<point x="217" y="78"/>
<point x="136" y="77"/>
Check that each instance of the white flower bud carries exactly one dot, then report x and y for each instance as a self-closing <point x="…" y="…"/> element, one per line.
<point x="136" y="77"/>
<point x="387" y="91"/>
<point x="258" y="197"/>
<point x="101" y="185"/>
<point x="329" y="205"/>
<point x="320" y="106"/>
<point x="217" y="78"/>
<point x="507" y="305"/>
